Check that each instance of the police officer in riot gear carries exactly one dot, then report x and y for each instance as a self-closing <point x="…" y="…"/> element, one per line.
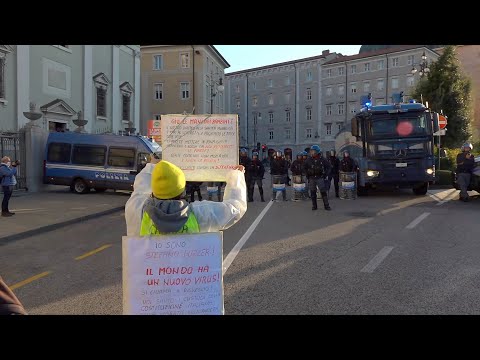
<point x="245" y="161"/>
<point x="297" y="165"/>
<point x="317" y="169"/>
<point x="465" y="165"/>
<point x="334" y="172"/>
<point x="257" y="171"/>
<point x="279" y="167"/>
<point x="347" y="164"/>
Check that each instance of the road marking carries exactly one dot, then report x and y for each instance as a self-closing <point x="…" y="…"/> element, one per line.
<point x="19" y="210"/>
<point x="418" y="220"/>
<point x="29" y="280"/>
<point x="377" y="259"/>
<point x="238" y="246"/>
<point x="93" y="252"/>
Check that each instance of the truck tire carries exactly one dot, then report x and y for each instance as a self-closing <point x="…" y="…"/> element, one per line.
<point x="422" y="190"/>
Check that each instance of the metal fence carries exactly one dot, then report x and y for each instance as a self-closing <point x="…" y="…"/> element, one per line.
<point x="13" y="146"/>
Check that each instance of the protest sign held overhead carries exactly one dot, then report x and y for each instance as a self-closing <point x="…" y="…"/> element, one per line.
<point x="173" y="275"/>
<point x="205" y="147"/>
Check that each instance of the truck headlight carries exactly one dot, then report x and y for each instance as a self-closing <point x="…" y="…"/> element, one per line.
<point x="430" y="171"/>
<point x="372" y="173"/>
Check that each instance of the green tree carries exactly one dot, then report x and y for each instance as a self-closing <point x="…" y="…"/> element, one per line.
<point x="447" y="88"/>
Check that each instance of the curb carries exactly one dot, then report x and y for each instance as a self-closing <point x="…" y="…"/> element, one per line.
<point x="51" y="227"/>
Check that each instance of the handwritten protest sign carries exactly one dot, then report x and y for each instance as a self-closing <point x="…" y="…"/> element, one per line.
<point x="173" y="275"/>
<point x="205" y="147"/>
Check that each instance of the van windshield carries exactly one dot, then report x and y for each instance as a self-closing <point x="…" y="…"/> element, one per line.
<point x="152" y="145"/>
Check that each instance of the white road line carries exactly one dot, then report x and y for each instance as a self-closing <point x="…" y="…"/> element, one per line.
<point x="418" y="220"/>
<point x="377" y="260"/>
<point x="238" y="246"/>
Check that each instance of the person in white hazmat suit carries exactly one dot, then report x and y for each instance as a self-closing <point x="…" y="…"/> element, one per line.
<point x="155" y="206"/>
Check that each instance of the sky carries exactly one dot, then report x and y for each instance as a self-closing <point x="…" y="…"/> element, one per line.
<point x="241" y="57"/>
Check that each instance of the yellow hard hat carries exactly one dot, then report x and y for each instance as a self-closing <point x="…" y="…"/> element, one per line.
<point x="168" y="181"/>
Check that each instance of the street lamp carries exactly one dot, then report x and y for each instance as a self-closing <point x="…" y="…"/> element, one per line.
<point x="424" y="69"/>
<point x="220" y="88"/>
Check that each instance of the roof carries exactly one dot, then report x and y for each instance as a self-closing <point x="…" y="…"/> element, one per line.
<point x="376" y="53"/>
<point x="317" y="57"/>
<point x="387" y="107"/>
<point x="227" y="65"/>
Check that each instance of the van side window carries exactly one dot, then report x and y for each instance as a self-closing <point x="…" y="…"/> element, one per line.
<point x="121" y="157"/>
<point x="59" y="152"/>
<point x="88" y="155"/>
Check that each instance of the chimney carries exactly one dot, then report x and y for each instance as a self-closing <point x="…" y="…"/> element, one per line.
<point x="325" y="52"/>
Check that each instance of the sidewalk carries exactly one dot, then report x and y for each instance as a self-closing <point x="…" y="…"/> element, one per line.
<point x="57" y="207"/>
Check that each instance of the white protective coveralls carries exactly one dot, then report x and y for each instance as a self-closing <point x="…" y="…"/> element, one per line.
<point x="211" y="216"/>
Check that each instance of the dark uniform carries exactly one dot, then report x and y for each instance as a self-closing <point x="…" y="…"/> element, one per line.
<point x="193" y="187"/>
<point x="279" y="166"/>
<point x="334" y="174"/>
<point x="256" y="171"/>
<point x="347" y="164"/>
<point x="297" y="167"/>
<point x="465" y="165"/>
<point x="317" y="169"/>
<point x="245" y="161"/>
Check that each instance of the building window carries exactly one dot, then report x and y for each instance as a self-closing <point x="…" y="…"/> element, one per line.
<point x="126" y="107"/>
<point x="366" y="86"/>
<point x="101" y="101"/>
<point x="156" y="117"/>
<point x="308" y="133"/>
<point x="287" y="98"/>
<point x="287" y="80"/>
<point x="329" y="109"/>
<point x="184" y="90"/>
<point x="254" y="85"/>
<point x="158" y="91"/>
<point x="287" y="133"/>
<point x="270" y="134"/>
<point x="328" y="129"/>
<point x="329" y="91"/>
<point x="353" y="107"/>
<point x="157" y="62"/>
<point x="353" y="88"/>
<point x="394" y="83"/>
<point x="185" y="60"/>
<point x="341" y="109"/>
<point x="270" y="99"/>
<point x="309" y="114"/>
<point x="2" y="78"/>
<point x="255" y="118"/>
<point x="381" y="64"/>
<point x="410" y="59"/>
<point x="309" y="76"/>
<point x="410" y="81"/>
<point x="340" y="126"/>
<point x="237" y="101"/>
<point x="395" y="62"/>
<point x="353" y="69"/>
<point x="270" y="117"/>
<point x="255" y="101"/>
<point x="341" y="90"/>
<point x="367" y="67"/>
<point x="308" y="94"/>
<point x="380" y="101"/>
<point x="341" y="71"/>
<point x="237" y="89"/>
<point x="270" y="83"/>
<point x="329" y="73"/>
<point x="287" y="116"/>
<point x="380" y="84"/>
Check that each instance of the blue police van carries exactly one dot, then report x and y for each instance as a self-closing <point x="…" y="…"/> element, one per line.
<point x="100" y="162"/>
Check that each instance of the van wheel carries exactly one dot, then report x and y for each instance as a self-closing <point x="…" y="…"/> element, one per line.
<point x="80" y="187"/>
<point x="100" y="190"/>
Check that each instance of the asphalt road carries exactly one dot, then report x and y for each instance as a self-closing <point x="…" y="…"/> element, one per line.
<point x="388" y="253"/>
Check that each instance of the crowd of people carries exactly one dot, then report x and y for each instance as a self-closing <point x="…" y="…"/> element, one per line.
<point x="310" y="168"/>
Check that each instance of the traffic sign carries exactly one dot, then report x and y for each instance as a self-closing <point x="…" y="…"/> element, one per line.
<point x="442" y="121"/>
<point x="441" y="132"/>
